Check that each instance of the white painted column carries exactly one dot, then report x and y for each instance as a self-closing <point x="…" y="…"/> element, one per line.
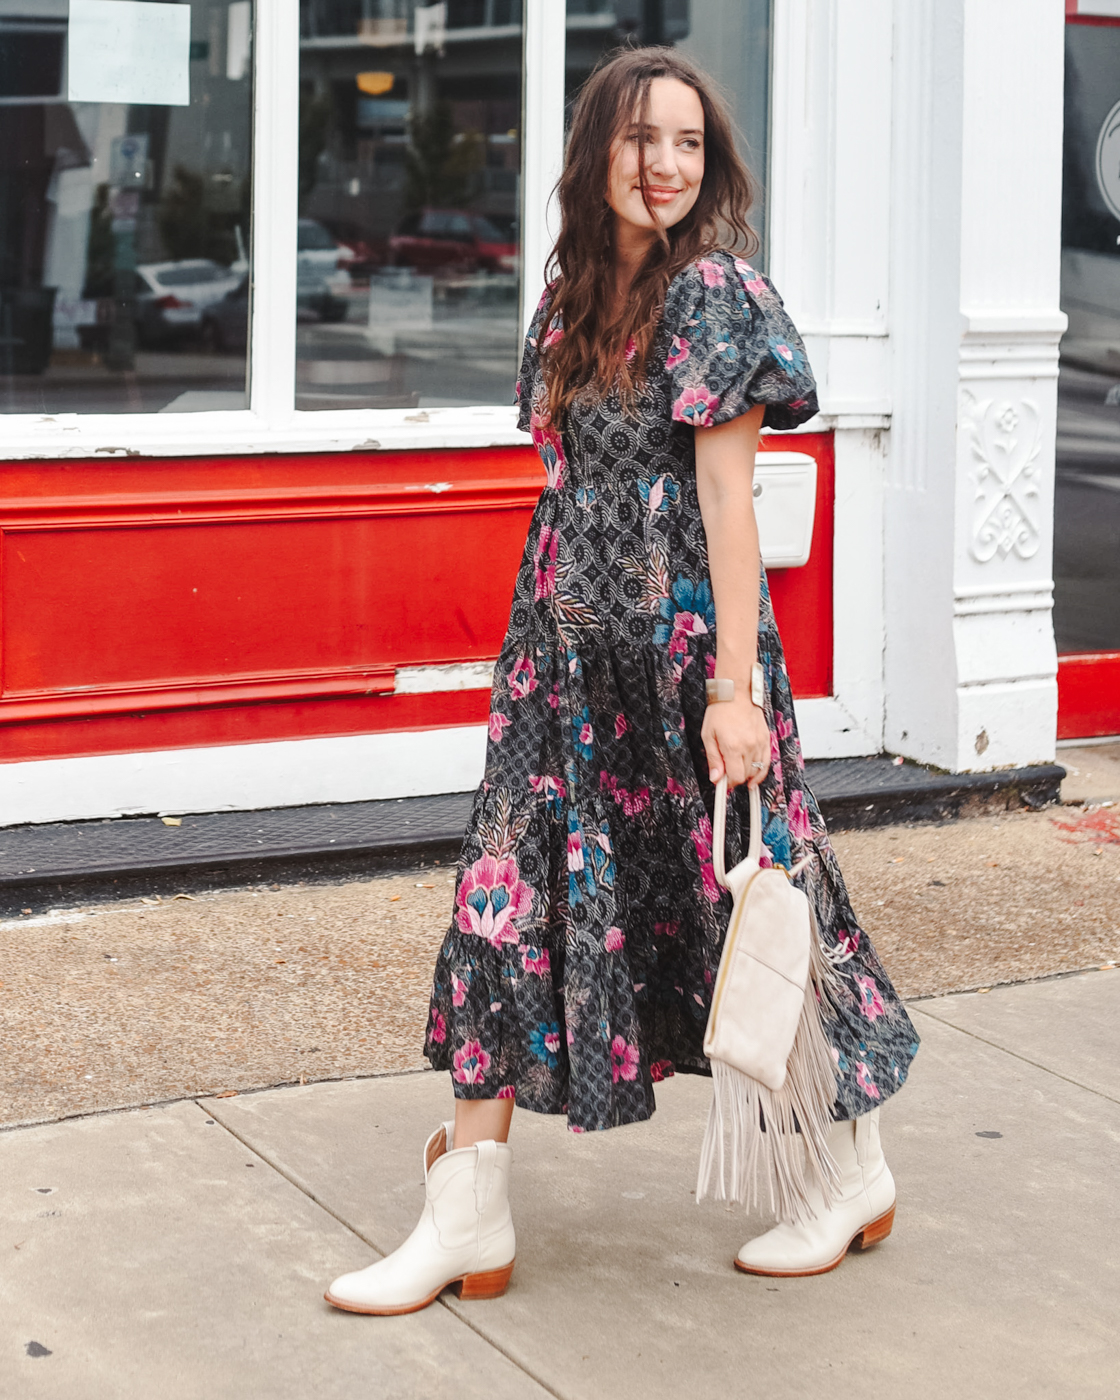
<point x="543" y="152"/>
<point x="830" y="193"/>
<point x="970" y="664"/>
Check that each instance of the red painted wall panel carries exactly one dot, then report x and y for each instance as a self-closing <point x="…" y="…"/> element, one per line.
<point x="163" y="603"/>
<point x="802" y="598"/>
<point x="1088" y="695"/>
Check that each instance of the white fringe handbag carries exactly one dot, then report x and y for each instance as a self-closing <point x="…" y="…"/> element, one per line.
<point x="773" y="1077"/>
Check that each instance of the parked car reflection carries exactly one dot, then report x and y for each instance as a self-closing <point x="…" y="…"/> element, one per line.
<point x="452" y="240"/>
<point x="172" y="297"/>
<point x="321" y="282"/>
<point x="225" y="324"/>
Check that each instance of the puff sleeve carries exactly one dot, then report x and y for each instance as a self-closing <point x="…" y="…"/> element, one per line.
<point x="530" y="381"/>
<point x="733" y="346"/>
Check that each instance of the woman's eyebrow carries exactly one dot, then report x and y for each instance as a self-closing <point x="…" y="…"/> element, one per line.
<point x="652" y="126"/>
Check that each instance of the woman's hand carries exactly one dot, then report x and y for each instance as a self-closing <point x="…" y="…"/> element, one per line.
<point x="736" y="741"/>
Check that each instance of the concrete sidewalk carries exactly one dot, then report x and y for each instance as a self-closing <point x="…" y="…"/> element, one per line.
<point x="182" y="1251"/>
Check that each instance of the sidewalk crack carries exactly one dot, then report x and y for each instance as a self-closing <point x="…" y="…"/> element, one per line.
<point x="314" y="1197"/>
<point x="1015" y="1055"/>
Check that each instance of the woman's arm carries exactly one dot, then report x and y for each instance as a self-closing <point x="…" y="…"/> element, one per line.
<point x="735" y="732"/>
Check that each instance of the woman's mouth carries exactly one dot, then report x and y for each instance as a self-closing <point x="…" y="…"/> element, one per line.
<point x="661" y="194"/>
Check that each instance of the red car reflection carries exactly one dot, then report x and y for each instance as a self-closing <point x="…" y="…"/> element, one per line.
<point x="452" y="240"/>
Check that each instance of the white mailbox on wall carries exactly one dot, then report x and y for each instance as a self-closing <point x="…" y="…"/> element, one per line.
<point x="785" y="497"/>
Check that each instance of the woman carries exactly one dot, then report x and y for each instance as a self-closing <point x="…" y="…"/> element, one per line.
<point x="588" y="923"/>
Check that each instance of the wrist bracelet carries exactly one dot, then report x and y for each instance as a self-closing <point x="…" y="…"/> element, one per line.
<point x="722" y="688"/>
<point x="719" y="690"/>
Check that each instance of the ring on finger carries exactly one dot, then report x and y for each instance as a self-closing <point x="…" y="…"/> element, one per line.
<point x="758" y="765"/>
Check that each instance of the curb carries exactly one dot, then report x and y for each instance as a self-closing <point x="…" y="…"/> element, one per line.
<point x="72" y="862"/>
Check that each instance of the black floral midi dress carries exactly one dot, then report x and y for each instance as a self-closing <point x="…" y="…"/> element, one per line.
<point x="588" y="924"/>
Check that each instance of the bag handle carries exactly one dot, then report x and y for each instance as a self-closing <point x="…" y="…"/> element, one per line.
<point x="719" y="834"/>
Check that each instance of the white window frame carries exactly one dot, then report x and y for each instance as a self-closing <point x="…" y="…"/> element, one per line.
<point x="272" y="423"/>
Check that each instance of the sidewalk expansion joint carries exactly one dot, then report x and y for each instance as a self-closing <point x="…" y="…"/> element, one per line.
<point x="316" y="1199"/>
<point x="1015" y="1055"/>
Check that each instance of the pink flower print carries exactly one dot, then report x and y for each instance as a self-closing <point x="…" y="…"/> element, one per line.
<point x="471" y="1063"/>
<point x="847" y="942"/>
<point x="865" y="1082"/>
<point x="586" y="734"/>
<point x="438" y="1031"/>
<point x="554" y="696"/>
<point x="870" y="1002"/>
<point x="696" y="406"/>
<point x="710" y="666"/>
<point x="711" y="272"/>
<point x="549" y="445"/>
<point x="702" y="840"/>
<point x="775" y="759"/>
<point x="675" y="790"/>
<point x="491" y="897"/>
<point x="678" y="352"/>
<point x="570" y="1036"/>
<point x="621" y="725"/>
<point x="784" y="726"/>
<point x="498" y="723"/>
<point x="507" y="1091"/>
<point x="750" y="279"/>
<point x="799" y="827"/>
<point x="458" y="991"/>
<point x="784" y="352"/>
<point x="669" y="929"/>
<point x="523" y="678"/>
<point x="535" y="959"/>
<point x="575" y="852"/>
<point x="624" y="1060"/>
<point x="614" y="940"/>
<point x="631" y="802"/>
<point x="551" y="789"/>
<point x="661" y="1069"/>
<point x="554" y="333"/>
<point x="685" y="626"/>
<point x="574" y="1128"/>
<point x="631" y="349"/>
<point x="544" y="562"/>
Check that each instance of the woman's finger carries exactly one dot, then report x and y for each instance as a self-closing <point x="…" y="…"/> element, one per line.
<point x="737" y="770"/>
<point x="713" y="755"/>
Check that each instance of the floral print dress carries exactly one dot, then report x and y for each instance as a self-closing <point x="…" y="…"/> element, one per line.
<point x="588" y="924"/>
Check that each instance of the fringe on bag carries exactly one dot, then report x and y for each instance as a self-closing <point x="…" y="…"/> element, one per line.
<point x="781" y="1136"/>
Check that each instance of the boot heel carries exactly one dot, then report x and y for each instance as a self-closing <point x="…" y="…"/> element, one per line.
<point x="490" y="1284"/>
<point x="877" y="1230"/>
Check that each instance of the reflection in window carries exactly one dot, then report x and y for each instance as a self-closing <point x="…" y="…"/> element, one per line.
<point x="729" y="39"/>
<point x="124" y="205"/>
<point x="409" y="185"/>
<point x="1087" y="485"/>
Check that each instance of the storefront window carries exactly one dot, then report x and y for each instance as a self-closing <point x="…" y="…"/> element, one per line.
<point x="124" y="205"/>
<point x="409" y="203"/>
<point x="729" y="39"/>
<point x="1087" y="487"/>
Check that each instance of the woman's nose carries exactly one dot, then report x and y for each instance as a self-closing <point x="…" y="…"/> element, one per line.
<point x="662" y="159"/>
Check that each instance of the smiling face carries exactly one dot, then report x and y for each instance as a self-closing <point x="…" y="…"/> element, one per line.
<point x="674" y="161"/>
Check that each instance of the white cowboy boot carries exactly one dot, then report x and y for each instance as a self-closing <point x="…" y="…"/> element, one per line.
<point x="864" y="1210"/>
<point x="465" y="1235"/>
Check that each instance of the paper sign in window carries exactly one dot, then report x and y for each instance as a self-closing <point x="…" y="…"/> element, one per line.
<point x="125" y="51"/>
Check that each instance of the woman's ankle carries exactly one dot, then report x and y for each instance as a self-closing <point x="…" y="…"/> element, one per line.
<point x="482" y="1120"/>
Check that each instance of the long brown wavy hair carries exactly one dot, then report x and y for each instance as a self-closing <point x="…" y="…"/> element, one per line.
<point x="592" y="352"/>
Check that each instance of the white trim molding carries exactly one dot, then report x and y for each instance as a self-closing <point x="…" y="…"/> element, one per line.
<point x="244" y="777"/>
